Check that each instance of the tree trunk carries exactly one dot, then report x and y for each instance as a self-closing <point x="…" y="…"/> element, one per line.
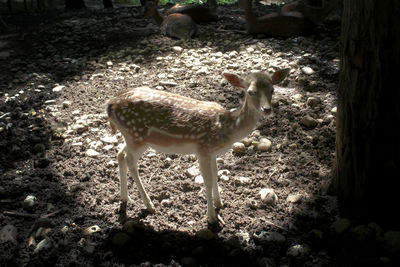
<point x="368" y="139"/>
<point x="74" y="4"/>
<point x="108" y="4"/>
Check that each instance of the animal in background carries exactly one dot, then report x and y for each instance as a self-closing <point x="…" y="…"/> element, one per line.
<point x="288" y="22"/>
<point x="199" y="13"/>
<point x="176" y="25"/>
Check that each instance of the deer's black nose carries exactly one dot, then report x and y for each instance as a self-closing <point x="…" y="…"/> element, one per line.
<point x="266" y="110"/>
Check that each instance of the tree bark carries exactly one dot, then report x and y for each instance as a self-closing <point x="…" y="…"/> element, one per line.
<point x="74" y="4"/>
<point x="108" y="4"/>
<point x="368" y="117"/>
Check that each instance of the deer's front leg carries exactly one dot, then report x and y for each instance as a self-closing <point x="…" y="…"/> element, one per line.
<point x="206" y="169"/>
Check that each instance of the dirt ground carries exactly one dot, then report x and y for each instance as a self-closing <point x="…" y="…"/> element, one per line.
<point x="59" y="190"/>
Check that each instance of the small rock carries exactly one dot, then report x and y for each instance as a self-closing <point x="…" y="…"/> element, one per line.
<point x="298" y="251"/>
<point x="109" y="63"/>
<point x="58" y="88"/>
<point x="223" y="172"/>
<point x="92" y="229"/>
<point x="313" y="101"/>
<point x="42" y="232"/>
<point x="297" y="97"/>
<point x="307" y="70"/>
<point x="309" y="121"/>
<point x="193" y="171"/>
<point x="268" y="196"/>
<point x="199" y="179"/>
<point x="8" y="234"/>
<point x="244" y="180"/>
<point x="238" y="148"/>
<point x="340" y="226"/>
<point x="43" y="245"/>
<point x="66" y="104"/>
<point x="168" y="83"/>
<point x="264" y="145"/>
<point x="92" y="153"/>
<point x="166" y="202"/>
<point x="29" y="202"/>
<point x="246" y="141"/>
<point x="224" y="178"/>
<point x="334" y="111"/>
<point x="363" y="233"/>
<point x="295" y="198"/>
<point x="177" y="49"/>
<point x="109" y="139"/>
<point x="266" y="236"/>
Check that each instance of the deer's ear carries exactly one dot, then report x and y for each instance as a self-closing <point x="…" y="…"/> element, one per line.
<point x="279" y="75"/>
<point x="234" y="80"/>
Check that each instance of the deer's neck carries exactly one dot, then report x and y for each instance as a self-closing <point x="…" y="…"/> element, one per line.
<point x="242" y="121"/>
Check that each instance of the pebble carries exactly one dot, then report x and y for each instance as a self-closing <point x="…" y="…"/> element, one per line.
<point x="193" y="171"/>
<point x="268" y="196"/>
<point x="109" y="139"/>
<point x="266" y="236"/>
<point x="92" y="229"/>
<point x="199" y="179"/>
<point x="92" y="153"/>
<point x="29" y="202"/>
<point x="66" y="104"/>
<point x="246" y="141"/>
<point x="244" y="180"/>
<point x="307" y="70"/>
<point x="8" y="234"/>
<point x="43" y="245"/>
<point x="58" y="88"/>
<point x="177" y="49"/>
<point x="298" y="250"/>
<point x="294" y="198"/>
<point x="334" y="111"/>
<point x="297" y="97"/>
<point x="238" y="148"/>
<point x="313" y="101"/>
<point x="308" y="121"/>
<point x="264" y="145"/>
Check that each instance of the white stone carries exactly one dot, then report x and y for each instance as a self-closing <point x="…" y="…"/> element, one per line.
<point x="264" y="145"/>
<point x="268" y="196"/>
<point x="109" y="139"/>
<point x="58" y="88"/>
<point x="239" y="148"/>
<point x="199" y="179"/>
<point x="307" y="70"/>
<point x="92" y="229"/>
<point x="177" y="49"/>
<point x="92" y="153"/>
<point x="193" y="171"/>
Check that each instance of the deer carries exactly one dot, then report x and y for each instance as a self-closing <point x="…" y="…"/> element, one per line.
<point x="288" y="22"/>
<point x="175" y="124"/>
<point x="176" y="25"/>
<point x="199" y="13"/>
